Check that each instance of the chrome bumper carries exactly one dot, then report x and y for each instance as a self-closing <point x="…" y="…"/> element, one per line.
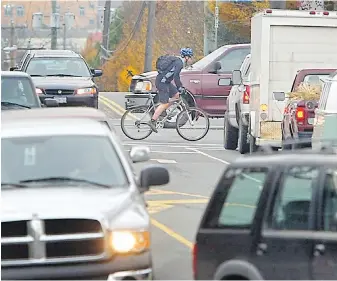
<point x="145" y="274"/>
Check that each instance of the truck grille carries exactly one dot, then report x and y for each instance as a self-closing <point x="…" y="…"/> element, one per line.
<point x="55" y="92"/>
<point x="51" y="241"/>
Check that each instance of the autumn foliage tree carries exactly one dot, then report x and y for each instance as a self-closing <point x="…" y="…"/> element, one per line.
<point x="178" y="24"/>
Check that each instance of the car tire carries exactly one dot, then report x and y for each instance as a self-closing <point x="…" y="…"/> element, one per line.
<point x="243" y="145"/>
<point x="171" y="124"/>
<point x="230" y="135"/>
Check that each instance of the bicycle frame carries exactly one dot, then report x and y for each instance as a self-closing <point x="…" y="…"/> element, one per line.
<point x="173" y="105"/>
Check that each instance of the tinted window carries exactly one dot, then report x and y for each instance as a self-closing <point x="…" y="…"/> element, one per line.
<point x="330" y="201"/>
<point x="292" y="203"/>
<point x="238" y="209"/>
<point x="234" y="59"/>
<point x="81" y="157"/>
<point x="18" y="90"/>
<point x="209" y="58"/>
<point x="331" y="102"/>
<point x="57" y="66"/>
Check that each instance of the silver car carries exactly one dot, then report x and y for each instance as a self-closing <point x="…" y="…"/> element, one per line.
<point x="71" y="205"/>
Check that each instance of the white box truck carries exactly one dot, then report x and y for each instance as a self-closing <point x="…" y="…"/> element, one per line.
<point x="283" y="42"/>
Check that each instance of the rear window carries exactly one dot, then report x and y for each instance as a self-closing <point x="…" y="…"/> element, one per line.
<point x="236" y="201"/>
<point x="315" y="79"/>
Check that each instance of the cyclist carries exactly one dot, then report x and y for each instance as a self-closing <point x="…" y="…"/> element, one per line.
<point x="169" y="70"/>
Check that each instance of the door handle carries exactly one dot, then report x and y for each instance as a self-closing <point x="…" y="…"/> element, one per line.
<point x="195" y="81"/>
<point x="261" y="249"/>
<point x="319" y="250"/>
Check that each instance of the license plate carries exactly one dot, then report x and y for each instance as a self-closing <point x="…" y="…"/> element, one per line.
<point x="61" y="100"/>
<point x="311" y="121"/>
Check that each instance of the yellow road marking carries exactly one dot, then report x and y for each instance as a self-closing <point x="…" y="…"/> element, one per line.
<point x="116" y="107"/>
<point x="172" y="233"/>
<point x="111" y="107"/>
<point x="178" y="193"/>
<point x="156" y="208"/>
<point x="191" y="201"/>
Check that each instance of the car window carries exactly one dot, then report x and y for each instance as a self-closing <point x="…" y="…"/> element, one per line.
<point x="330" y="201"/>
<point x="58" y="66"/>
<point x="18" y="90"/>
<point x="238" y="208"/>
<point x="209" y="58"/>
<point x="233" y="59"/>
<point x="331" y="101"/>
<point x="292" y="202"/>
<point x="315" y="79"/>
<point x="323" y="97"/>
<point x="91" y="158"/>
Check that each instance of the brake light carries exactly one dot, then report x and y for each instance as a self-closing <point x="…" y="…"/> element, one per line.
<point x="194" y="258"/>
<point x="312" y="13"/>
<point x="38" y="91"/>
<point x="246" y="95"/>
<point x="269" y="11"/>
<point x="300" y="114"/>
<point x="325" y="13"/>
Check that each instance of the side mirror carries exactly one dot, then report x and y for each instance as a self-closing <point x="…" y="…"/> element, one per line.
<point x="237" y="77"/>
<point x="279" y="96"/>
<point x="140" y="154"/>
<point x="51" y="103"/>
<point x="225" y="82"/>
<point x="97" y="72"/>
<point x="153" y="175"/>
<point x="217" y="66"/>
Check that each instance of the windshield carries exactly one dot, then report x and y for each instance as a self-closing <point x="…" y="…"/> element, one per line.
<point x="88" y="158"/>
<point x="58" y="67"/>
<point x="209" y="58"/>
<point x="18" y="90"/>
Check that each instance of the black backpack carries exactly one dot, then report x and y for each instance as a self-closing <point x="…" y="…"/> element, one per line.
<point x="164" y="62"/>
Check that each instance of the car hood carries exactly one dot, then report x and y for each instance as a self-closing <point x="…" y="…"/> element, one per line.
<point x="55" y="82"/>
<point x="70" y="202"/>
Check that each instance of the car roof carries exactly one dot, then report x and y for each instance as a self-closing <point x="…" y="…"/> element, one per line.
<point x="54" y="53"/>
<point x="286" y="159"/>
<point x="51" y="127"/>
<point x="14" y="74"/>
<point x="56" y="112"/>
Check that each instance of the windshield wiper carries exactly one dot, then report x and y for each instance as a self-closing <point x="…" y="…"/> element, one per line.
<point x="63" y="179"/>
<point x="63" y="75"/>
<point x="13" y="103"/>
<point x="12" y="184"/>
<point x="36" y="75"/>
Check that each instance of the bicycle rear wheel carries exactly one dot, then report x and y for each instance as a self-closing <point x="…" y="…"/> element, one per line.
<point x="194" y="115"/>
<point x="136" y="119"/>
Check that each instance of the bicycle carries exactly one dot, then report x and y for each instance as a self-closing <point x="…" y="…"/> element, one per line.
<point x="187" y="114"/>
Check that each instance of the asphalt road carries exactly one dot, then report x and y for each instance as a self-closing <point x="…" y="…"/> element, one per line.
<point x="195" y="168"/>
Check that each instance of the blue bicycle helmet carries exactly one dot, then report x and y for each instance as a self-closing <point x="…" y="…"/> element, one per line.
<point x="186" y="52"/>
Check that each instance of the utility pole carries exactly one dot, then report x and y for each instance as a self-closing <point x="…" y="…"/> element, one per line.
<point x="53" y="27"/>
<point x="150" y="35"/>
<point x="106" y="26"/>
<point x="11" y="44"/>
<point x="206" y="28"/>
<point x="64" y="36"/>
<point x="216" y="24"/>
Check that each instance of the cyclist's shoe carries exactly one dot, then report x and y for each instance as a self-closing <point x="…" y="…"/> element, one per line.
<point x="152" y="124"/>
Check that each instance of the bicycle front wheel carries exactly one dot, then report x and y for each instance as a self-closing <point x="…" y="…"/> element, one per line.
<point x="197" y="124"/>
<point x="134" y="123"/>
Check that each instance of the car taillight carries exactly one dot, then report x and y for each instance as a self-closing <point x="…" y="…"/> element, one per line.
<point x="194" y="258"/>
<point x="300" y="114"/>
<point x="246" y="95"/>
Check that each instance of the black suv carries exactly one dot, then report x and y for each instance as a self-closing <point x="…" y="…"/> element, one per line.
<point x="271" y="217"/>
<point x="63" y="75"/>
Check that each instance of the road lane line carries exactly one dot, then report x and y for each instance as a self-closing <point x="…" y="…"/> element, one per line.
<point x="178" y="201"/>
<point x="172" y="233"/>
<point x="207" y="155"/>
<point x="113" y="103"/>
<point x="110" y="107"/>
<point x="165" y="161"/>
<point x="178" y="193"/>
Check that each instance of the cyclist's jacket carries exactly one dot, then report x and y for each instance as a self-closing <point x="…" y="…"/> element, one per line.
<point x="173" y="72"/>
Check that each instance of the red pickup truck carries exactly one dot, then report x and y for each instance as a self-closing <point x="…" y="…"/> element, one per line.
<point x="202" y="80"/>
<point x="298" y="118"/>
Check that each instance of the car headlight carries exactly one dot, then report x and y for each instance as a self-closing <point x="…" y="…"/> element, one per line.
<point x="144" y="86"/>
<point x="125" y="242"/>
<point x="86" y="91"/>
